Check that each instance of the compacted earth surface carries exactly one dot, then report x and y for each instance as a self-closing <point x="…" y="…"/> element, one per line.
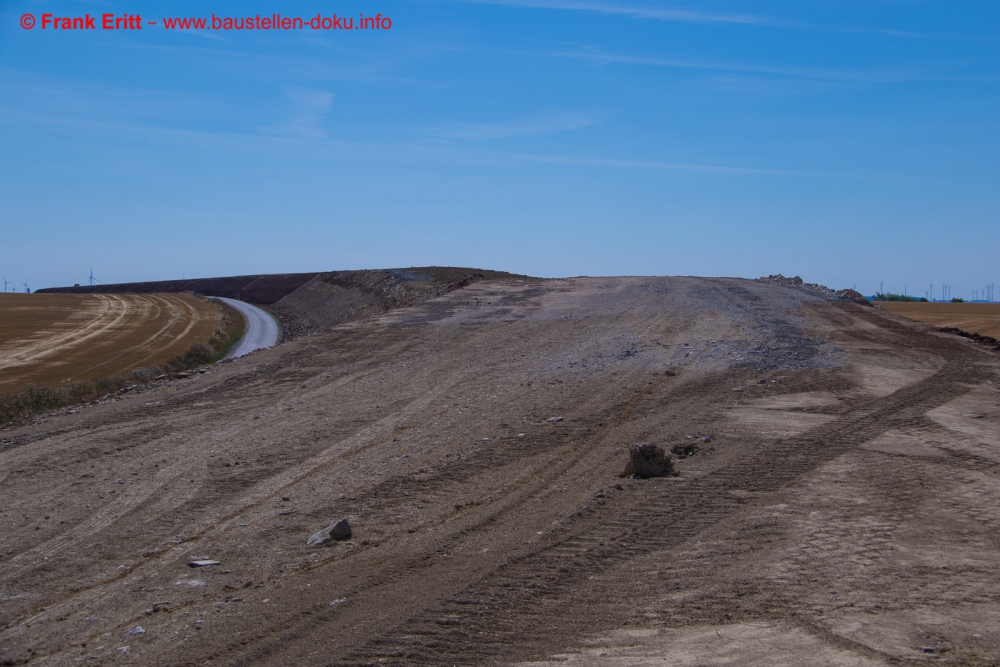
<point x="834" y="503"/>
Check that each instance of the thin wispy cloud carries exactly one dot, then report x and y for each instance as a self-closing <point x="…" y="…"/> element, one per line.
<point x="881" y="75"/>
<point x="305" y="149"/>
<point x="547" y="124"/>
<point x="909" y="34"/>
<point x="639" y="12"/>
<point x="653" y="164"/>
<point x="308" y="108"/>
<point x="683" y="15"/>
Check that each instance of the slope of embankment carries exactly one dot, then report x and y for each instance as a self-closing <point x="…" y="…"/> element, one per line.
<point x="310" y="302"/>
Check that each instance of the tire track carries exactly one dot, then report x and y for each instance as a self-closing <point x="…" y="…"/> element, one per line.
<point x="486" y="638"/>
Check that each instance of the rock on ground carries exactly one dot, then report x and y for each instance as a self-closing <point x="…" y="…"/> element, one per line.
<point x="336" y="531"/>
<point x="647" y="460"/>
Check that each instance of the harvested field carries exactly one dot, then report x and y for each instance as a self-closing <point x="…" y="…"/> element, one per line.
<point x="839" y="507"/>
<point x="57" y="339"/>
<point x="980" y="318"/>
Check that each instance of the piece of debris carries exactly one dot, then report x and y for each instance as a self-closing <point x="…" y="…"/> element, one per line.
<point x="554" y="419"/>
<point x="336" y="531"/>
<point x="203" y="563"/>
<point x="336" y="602"/>
<point x="137" y="630"/>
<point x="706" y="439"/>
<point x="684" y="450"/>
<point x="647" y="460"/>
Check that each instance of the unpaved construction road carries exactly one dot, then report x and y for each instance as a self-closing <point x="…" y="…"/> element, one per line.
<point x="55" y="339"/>
<point x="260" y="332"/>
<point x="842" y="512"/>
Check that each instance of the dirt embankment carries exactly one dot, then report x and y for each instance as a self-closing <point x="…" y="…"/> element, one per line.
<point x="836" y="503"/>
<point x="332" y="298"/>
<point x="52" y="340"/>
<point x="310" y="302"/>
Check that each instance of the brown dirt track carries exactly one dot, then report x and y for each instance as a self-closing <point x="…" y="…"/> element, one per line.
<point x="980" y="318"/>
<point x="56" y="339"/>
<point x="844" y="512"/>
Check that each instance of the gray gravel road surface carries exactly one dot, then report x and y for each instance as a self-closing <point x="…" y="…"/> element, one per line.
<point x="262" y="329"/>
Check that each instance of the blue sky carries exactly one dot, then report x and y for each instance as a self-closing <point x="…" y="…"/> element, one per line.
<point x="847" y="142"/>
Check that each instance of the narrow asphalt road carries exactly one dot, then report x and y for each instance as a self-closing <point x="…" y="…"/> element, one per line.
<point x="262" y="330"/>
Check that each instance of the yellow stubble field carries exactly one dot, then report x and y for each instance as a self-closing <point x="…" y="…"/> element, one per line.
<point x="980" y="318"/>
<point x="56" y="339"/>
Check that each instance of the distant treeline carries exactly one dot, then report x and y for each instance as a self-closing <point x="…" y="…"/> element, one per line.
<point x="889" y="296"/>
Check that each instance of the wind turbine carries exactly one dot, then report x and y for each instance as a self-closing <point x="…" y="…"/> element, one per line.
<point x="92" y="278"/>
<point x="26" y="290"/>
<point x="5" y="283"/>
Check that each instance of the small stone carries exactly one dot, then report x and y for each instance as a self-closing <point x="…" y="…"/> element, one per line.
<point x="684" y="450"/>
<point x="706" y="440"/>
<point x="335" y="532"/>
<point x="137" y="630"/>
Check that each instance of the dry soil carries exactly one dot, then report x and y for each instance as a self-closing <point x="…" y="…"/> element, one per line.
<point x="980" y="318"/>
<point x="57" y="339"/>
<point x="840" y="510"/>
